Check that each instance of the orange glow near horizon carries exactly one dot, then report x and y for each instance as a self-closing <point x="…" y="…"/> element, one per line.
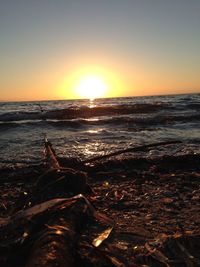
<point x="82" y="81"/>
<point x="90" y="83"/>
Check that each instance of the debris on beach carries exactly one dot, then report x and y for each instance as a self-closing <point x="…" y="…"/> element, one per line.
<point x="111" y="212"/>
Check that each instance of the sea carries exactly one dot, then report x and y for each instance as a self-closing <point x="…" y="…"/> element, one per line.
<point x="87" y="128"/>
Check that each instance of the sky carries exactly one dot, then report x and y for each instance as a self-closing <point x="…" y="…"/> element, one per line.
<point x="48" y="48"/>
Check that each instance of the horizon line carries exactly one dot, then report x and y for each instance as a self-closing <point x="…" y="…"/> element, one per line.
<point x="80" y="99"/>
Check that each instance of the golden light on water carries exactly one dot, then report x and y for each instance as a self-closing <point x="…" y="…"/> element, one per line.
<point x="91" y="87"/>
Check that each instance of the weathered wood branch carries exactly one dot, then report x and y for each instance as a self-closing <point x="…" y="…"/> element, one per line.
<point x="131" y="149"/>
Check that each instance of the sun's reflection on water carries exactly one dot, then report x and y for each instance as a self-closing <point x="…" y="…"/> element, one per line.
<point x="92" y="119"/>
<point x="92" y="149"/>
<point x="94" y="131"/>
<point x="92" y="103"/>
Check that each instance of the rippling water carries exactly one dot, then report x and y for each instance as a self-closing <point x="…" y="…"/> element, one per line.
<point x="82" y="128"/>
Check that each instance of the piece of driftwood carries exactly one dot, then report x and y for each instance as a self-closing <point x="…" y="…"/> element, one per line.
<point x="48" y="209"/>
<point x="57" y="180"/>
<point x="50" y="155"/>
<point x="131" y="149"/>
<point x="55" y="247"/>
<point x="63" y="180"/>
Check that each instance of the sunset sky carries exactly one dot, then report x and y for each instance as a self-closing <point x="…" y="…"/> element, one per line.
<point x="66" y="49"/>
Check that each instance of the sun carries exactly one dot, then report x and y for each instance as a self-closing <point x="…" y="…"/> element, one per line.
<point x="91" y="87"/>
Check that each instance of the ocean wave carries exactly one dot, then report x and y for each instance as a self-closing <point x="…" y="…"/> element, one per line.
<point x="79" y="130"/>
<point x="124" y="121"/>
<point x="84" y="112"/>
<point x="194" y="106"/>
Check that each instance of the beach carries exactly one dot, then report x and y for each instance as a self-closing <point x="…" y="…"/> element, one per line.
<point x="153" y="203"/>
<point x="100" y="133"/>
<point x="148" y="199"/>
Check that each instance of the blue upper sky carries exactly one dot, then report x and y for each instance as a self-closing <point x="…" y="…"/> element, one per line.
<point x="154" y="45"/>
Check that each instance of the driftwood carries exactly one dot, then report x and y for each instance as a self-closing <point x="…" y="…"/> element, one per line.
<point x="50" y="155"/>
<point x="50" y="230"/>
<point x="55" y="246"/>
<point x="65" y="180"/>
<point x="58" y="179"/>
<point x="55" y="231"/>
<point x="131" y="149"/>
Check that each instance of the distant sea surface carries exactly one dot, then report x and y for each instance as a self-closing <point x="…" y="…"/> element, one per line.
<point x="84" y="129"/>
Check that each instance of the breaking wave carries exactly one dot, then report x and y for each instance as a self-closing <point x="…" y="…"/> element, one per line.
<point x="84" y="112"/>
<point x="112" y="121"/>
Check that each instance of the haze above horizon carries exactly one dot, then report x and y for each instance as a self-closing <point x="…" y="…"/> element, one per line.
<point x="69" y="49"/>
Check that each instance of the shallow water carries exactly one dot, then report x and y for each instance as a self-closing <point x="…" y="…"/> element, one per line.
<point x="83" y="128"/>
